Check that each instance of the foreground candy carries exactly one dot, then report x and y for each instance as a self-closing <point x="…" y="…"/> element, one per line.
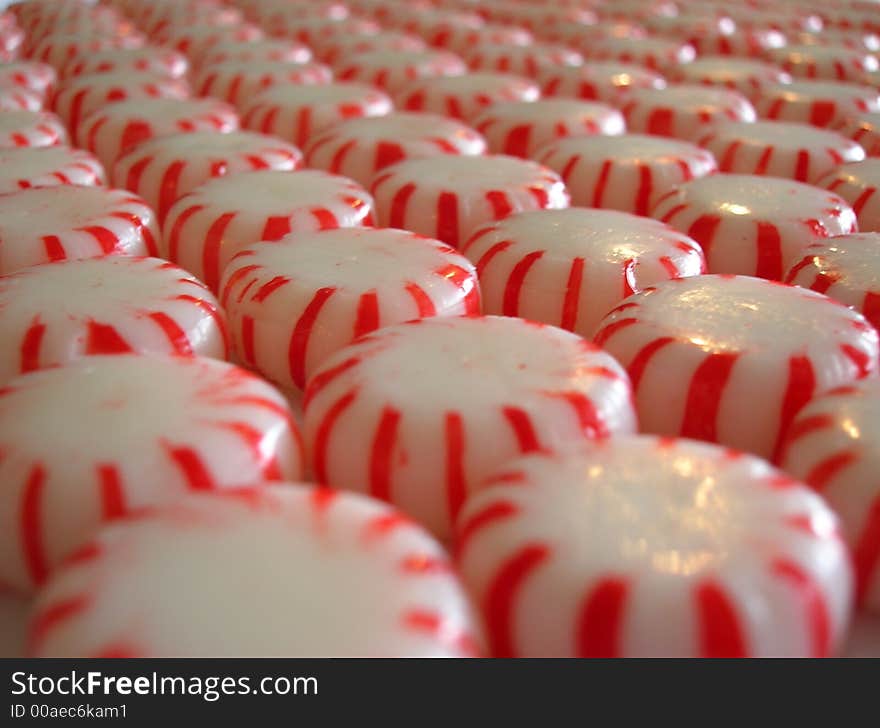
<point x="359" y="148"/>
<point x="31" y="129"/>
<point x="47" y="224"/>
<point x="462" y="97"/>
<point x="119" y="127"/>
<point x="392" y="70"/>
<point x="863" y="128"/>
<point x="779" y="149"/>
<point x="820" y="103"/>
<point x="296" y="113"/>
<point x="747" y="355"/>
<point x="834" y="446"/>
<point x="417" y="414"/>
<point x="571" y="267"/>
<point x="237" y="82"/>
<point x="858" y="184"/>
<point x="46" y="167"/>
<point x="684" y="111"/>
<point x="209" y="426"/>
<point x="612" y="82"/>
<point x="520" y="128"/>
<point x="448" y="197"/>
<point x="148" y="59"/>
<point x="293" y="303"/>
<point x="653" y="547"/>
<point x="55" y="313"/>
<point x="845" y="268"/>
<point x="745" y="75"/>
<point x="162" y="170"/>
<point x="79" y="96"/>
<point x="206" y="227"/>
<point x="378" y="585"/>
<point x="754" y="225"/>
<point x="627" y="172"/>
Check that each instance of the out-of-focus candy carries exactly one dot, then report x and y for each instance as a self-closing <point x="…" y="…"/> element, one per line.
<point x="464" y="39"/>
<point x="111" y="132"/>
<point x="206" y="227"/>
<point x="858" y="184"/>
<point x="684" y="111"/>
<point x="609" y="82"/>
<point x="833" y="446"/>
<point x="31" y="75"/>
<point x="360" y="148"/>
<point x="163" y="170"/>
<point x="148" y="59"/>
<point x="16" y="98"/>
<point x="820" y="103"/>
<point x="296" y="113"/>
<point x="294" y="303"/>
<point x="195" y="41"/>
<point x="752" y="225"/>
<point x="448" y="197"/>
<point x="779" y="149"/>
<point x="31" y="129"/>
<point x="667" y="565"/>
<point x="462" y="97"/>
<point x="210" y="426"/>
<point x="747" y="354"/>
<point x="845" y="268"/>
<point x="257" y="51"/>
<point x="375" y="421"/>
<point x="237" y="81"/>
<point x="527" y="60"/>
<point x="571" y="267"/>
<point x="56" y="313"/>
<point x="824" y="62"/>
<point x="60" y="50"/>
<point x="48" y="166"/>
<point x="341" y="49"/>
<point x="657" y="54"/>
<point x="47" y="224"/>
<point x="521" y="128"/>
<point x="384" y="583"/>
<point x="628" y="172"/>
<point x="745" y="75"/>
<point x="393" y="70"/>
<point x="863" y="128"/>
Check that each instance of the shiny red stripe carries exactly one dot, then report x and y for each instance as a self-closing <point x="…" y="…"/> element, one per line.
<point x="491" y="514"/>
<point x="177" y="228"/>
<point x="29" y="358"/>
<point x="397" y="210"/>
<point x="367" y="314"/>
<point x="447" y="218"/>
<point x="176" y="336"/>
<point x="720" y="633"/>
<point x="168" y="187"/>
<point x="866" y="552"/>
<point x="523" y="429"/>
<point x="424" y="304"/>
<point x="704" y="396"/>
<point x="211" y="251"/>
<point x="601" y="619"/>
<point x="510" y="304"/>
<point x="799" y="390"/>
<point x="276" y="228"/>
<point x="322" y="435"/>
<point x="112" y="493"/>
<point x="382" y="452"/>
<point x="32" y="525"/>
<point x="194" y="471"/>
<point x="703" y="230"/>
<point x="456" y="484"/>
<point x="810" y="595"/>
<point x="299" y="341"/>
<point x="104" y="339"/>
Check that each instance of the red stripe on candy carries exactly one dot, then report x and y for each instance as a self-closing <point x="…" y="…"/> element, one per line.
<point x="382" y="453"/>
<point x="720" y="634"/>
<point x="704" y="396"/>
<point x="600" y="622"/>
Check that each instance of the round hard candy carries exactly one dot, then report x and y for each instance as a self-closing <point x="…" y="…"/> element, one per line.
<point x="48" y="166"/>
<point x="820" y="103"/>
<point x="611" y="82"/>
<point x="238" y="81"/>
<point x="858" y="184"/>
<point x="147" y="59"/>
<point x="393" y="70"/>
<point x="31" y="129"/>
<point x="462" y="97"/>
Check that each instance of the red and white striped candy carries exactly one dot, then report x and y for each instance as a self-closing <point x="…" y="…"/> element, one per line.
<point x="48" y="166"/>
<point x="571" y="267"/>
<point x="757" y="226"/>
<point x="46" y="224"/>
<point x="79" y="96"/>
<point x="341" y="49"/>
<point x="744" y="42"/>
<point x="526" y="60"/>
<point x="163" y="170"/>
<point x="714" y="554"/>
<point x="779" y="149"/>
<point x="148" y="59"/>
<point x="785" y="19"/>
<point x="213" y="426"/>
<point x="863" y="128"/>
<point x="435" y="25"/>
<point x="747" y="355"/>
<point x="15" y="98"/>
<point x="378" y="421"/>
<point x="265" y="12"/>
<point x="156" y="16"/>
<point x="820" y="103"/>
<point x="609" y="82"/>
<point x="580" y="36"/>
<point x="684" y="111"/>
<point x="833" y="446"/>
<point x="463" y="97"/>
<point x="393" y="70"/>
<point x="12" y="41"/>
<point x="31" y="129"/>
<point x="379" y="586"/>
<point x="823" y="62"/>
<point x="542" y="18"/>
<point x="99" y="21"/>
<point x="207" y="227"/>
<point x="843" y="38"/>
<point x="520" y="128"/>
<point x="196" y="41"/>
<point x="56" y="313"/>
<point x="111" y="132"/>
<point x="745" y="75"/>
<point x="385" y="11"/>
<point x="296" y="113"/>
<point x="859" y="185"/>
<point x="362" y="147"/>
<point x="38" y="77"/>
<point x="627" y="172"/>
<point x="657" y="54"/>
<point x="448" y="197"/>
<point x="274" y="50"/>
<point x="61" y="49"/>
<point x="293" y="304"/>
<point x="320" y="33"/>
<point x="237" y="82"/>
<point x="845" y="268"/>
<point x="464" y="38"/>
